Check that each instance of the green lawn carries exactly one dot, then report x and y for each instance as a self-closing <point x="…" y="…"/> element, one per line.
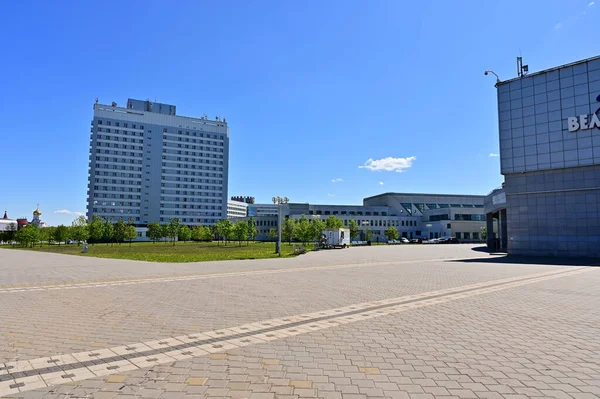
<point x="181" y="252"/>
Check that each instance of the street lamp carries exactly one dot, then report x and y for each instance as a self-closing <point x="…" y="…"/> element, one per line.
<point x="279" y="201"/>
<point x="493" y="73"/>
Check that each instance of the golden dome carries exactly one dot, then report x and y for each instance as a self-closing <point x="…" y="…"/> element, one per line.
<point x="37" y="212"/>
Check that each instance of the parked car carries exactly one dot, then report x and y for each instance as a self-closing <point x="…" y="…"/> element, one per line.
<point x="404" y="240"/>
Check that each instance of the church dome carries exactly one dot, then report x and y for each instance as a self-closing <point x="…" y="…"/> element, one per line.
<point x="37" y="212"/>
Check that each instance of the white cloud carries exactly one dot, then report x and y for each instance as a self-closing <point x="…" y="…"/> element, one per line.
<point x="591" y="3"/>
<point x="493" y="154"/>
<point x="337" y="180"/>
<point x="331" y="195"/>
<point x="558" y="26"/>
<point x="68" y="212"/>
<point x="389" y="164"/>
<point x="381" y="183"/>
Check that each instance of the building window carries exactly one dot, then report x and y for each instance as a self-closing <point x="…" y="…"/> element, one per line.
<point x="457" y="235"/>
<point x="467" y="236"/>
<point x="476" y="236"/>
<point x="448" y="226"/>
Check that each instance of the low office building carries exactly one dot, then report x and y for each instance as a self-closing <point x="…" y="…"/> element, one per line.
<point x="414" y="215"/>
<point x="236" y="209"/>
<point x="549" y="128"/>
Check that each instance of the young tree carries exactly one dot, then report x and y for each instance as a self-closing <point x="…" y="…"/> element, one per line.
<point x="252" y="228"/>
<point x="96" y="229"/>
<point x="287" y="230"/>
<point x="391" y="233"/>
<point x="195" y="233"/>
<point x="185" y="233"/>
<point x="272" y="234"/>
<point x="333" y="222"/>
<point x="130" y="233"/>
<point x="484" y="233"/>
<point x="164" y="231"/>
<point x="368" y="233"/>
<point x="120" y="231"/>
<point x="303" y="231"/>
<point x="223" y="228"/>
<point x="108" y="232"/>
<point x="173" y="229"/>
<point x="11" y="230"/>
<point x="50" y="232"/>
<point x="354" y="228"/>
<point x="79" y="229"/>
<point x="316" y="228"/>
<point x="206" y="233"/>
<point x="43" y="235"/>
<point x="154" y="232"/>
<point x="61" y="234"/>
<point x="28" y="235"/>
<point x="240" y="231"/>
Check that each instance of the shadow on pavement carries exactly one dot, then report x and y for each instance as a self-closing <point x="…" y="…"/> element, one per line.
<point x="528" y="260"/>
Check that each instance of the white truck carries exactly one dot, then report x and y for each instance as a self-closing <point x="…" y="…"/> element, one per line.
<point x="335" y="238"/>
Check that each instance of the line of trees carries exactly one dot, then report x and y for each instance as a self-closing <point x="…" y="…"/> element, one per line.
<point x="98" y="230"/>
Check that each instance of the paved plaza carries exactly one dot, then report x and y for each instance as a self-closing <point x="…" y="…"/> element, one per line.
<point x="437" y="321"/>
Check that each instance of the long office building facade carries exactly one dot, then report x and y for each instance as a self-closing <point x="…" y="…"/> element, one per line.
<point x="424" y="216"/>
<point x="549" y="127"/>
<point x="148" y="164"/>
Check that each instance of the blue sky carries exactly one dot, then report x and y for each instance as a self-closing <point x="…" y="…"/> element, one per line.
<point x="311" y="90"/>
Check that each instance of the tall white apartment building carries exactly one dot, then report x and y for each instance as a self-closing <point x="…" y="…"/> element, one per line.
<point x="148" y="164"/>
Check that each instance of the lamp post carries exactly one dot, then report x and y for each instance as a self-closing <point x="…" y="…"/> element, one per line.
<point x="279" y="201"/>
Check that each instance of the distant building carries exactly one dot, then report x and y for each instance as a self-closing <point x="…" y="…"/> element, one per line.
<point x="236" y="209"/>
<point x="36" y="218"/>
<point x="425" y="216"/>
<point x="262" y="210"/>
<point x="148" y="164"/>
<point x="247" y="200"/>
<point x="7" y="224"/>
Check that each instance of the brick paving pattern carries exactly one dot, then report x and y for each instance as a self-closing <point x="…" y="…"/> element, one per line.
<point x="536" y="338"/>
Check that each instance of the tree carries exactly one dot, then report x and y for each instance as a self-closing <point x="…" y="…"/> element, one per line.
<point x="332" y="222"/>
<point x="240" y="231"/>
<point x="44" y="235"/>
<point x="303" y="231"/>
<point x="108" y="232"/>
<point x="28" y="235"/>
<point x="50" y="233"/>
<point x="11" y="230"/>
<point x="368" y="233"/>
<point x="391" y="233"/>
<point x="354" y="228"/>
<point x="484" y="233"/>
<point x="195" y="233"/>
<point x="272" y="234"/>
<point x="173" y="229"/>
<point x="96" y="229"/>
<point x="252" y="228"/>
<point x="316" y="228"/>
<point x="120" y="231"/>
<point x="61" y="234"/>
<point x="130" y="233"/>
<point x="287" y="230"/>
<point x="154" y="231"/>
<point x="206" y="233"/>
<point x="223" y="228"/>
<point x="164" y="232"/>
<point x="185" y="233"/>
<point x="79" y="229"/>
